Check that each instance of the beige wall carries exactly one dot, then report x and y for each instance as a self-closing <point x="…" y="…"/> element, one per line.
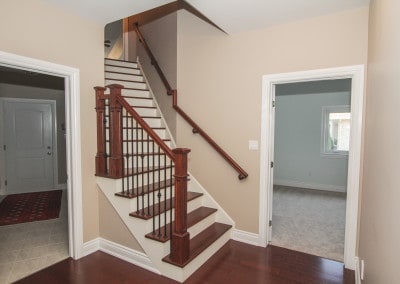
<point x="161" y="35"/>
<point x="112" y="228"/>
<point x="380" y="222"/>
<point x="39" y="30"/>
<point x="219" y="83"/>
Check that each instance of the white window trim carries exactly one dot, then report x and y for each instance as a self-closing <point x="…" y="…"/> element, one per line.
<point x="325" y="129"/>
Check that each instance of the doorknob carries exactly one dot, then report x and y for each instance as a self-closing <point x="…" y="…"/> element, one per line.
<point x="49" y="153"/>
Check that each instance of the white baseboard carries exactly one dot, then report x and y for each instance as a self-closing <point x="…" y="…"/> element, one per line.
<point x="310" y="185"/>
<point x="127" y="254"/>
<point x="357" y="271"/>
<point x="90" y="247"/>
<point x="246" y="237"/>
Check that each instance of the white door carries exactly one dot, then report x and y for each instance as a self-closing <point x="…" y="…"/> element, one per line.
<point x="28" y="129"/>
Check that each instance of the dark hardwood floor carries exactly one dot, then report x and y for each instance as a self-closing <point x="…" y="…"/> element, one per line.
<point x="234" y="263"/>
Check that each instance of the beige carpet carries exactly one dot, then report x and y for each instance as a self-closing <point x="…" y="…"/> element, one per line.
<point x="310" y="221"/>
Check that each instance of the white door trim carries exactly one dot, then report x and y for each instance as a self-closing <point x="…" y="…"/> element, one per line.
<point x="54" y="130"/>
<point x="73" y="138"/>
<point x="356" y="73"/>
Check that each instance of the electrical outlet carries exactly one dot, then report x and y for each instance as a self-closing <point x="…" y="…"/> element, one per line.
<point x="362" y="269"/>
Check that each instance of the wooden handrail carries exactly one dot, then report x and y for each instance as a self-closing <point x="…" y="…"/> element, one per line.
<point x="196" y="128"/>
<point x="153" y="60"/>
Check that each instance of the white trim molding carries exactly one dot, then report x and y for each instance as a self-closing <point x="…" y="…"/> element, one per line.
<point x="127" y="254"/>
<point x="356" y="74"/>
<point x="73" y="137"/>
<point x="122" y="252"/>
<point x="246" y="237"/>
<point x="90" y="247"/>
<point x="311" y="185"/>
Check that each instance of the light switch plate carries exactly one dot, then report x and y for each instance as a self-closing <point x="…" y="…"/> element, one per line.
<point x="253" y="144"/>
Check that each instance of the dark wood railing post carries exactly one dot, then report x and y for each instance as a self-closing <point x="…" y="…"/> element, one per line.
<point x="115" y="132"/>
<point x="180" y="241"/>
<point x="101" y="155"/>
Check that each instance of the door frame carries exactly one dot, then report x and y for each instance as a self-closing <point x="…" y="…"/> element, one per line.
<point x="356" y="73"/>
<point x="73" y="138"/>
<point x="54" y="132"/>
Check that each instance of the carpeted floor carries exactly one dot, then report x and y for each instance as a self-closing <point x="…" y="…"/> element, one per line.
<point x="30" y="207"/>
<point x="311" y="221"/>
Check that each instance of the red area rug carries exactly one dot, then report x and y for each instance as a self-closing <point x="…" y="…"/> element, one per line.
<point x="30" y="207"/>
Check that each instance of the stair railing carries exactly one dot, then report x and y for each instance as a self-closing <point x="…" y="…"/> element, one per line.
<point x="130" y="150"/>
<point x="196" y="128"/>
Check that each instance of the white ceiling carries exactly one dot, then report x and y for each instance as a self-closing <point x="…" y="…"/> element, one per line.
<point x="231" y="15"/>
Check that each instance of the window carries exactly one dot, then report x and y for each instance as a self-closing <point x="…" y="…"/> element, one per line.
<point x="335" y="133"/>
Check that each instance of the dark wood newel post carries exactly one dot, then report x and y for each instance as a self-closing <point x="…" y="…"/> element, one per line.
<point x="180" y="241"/>
<point x="101" y="155"/>
<point x="115" y="132"/>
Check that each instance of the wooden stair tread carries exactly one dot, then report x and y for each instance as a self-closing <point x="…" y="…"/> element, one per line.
<point x="141" y="140"/>
<point x="138" y="171"/>
<point x="164" y="206"/>
<point x="145" y="189"/>
<point x="156" y="128"/>
<point x="120" y="66"/>
<point x="194" y="217"/>
<point x="202" y="241"/>
<point x="120" y="60"/>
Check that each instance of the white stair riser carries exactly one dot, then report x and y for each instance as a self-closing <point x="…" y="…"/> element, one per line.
<point x="127" y="134"/>
<point x="146" y="111"/>
<point x="146" y="199"/>
<point x="160" y="132"/>
<point x="199" y="227"/>
<point x="119" y="76"/>
<point x="141" y="179"/>
<point x="152" y="122"/>
<point x="149" y="162"/>
<point x="141" y="147"/>
<point x="138" y="180"/>
<point x="140" y="102"/>
<point x="134" y="85"/>
<point x="121" y="63"/>
<point x="122" y="70"/>
<point x="136" y="93"/>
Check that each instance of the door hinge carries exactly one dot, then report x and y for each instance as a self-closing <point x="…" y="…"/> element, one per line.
<point x="5" y="182"/>
<point x="270" y="223"/>
<point x="4" y="147"/>
<point x="273" y="103"/>
<point x="272" y="164"/>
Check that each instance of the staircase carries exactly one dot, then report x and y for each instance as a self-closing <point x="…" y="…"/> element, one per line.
<point x="139" y="172"/>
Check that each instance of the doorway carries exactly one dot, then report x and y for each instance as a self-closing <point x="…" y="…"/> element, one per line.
<point x="70" y="78"/>
<point x="356" y="74"/>
<point x="312" y="133"/>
